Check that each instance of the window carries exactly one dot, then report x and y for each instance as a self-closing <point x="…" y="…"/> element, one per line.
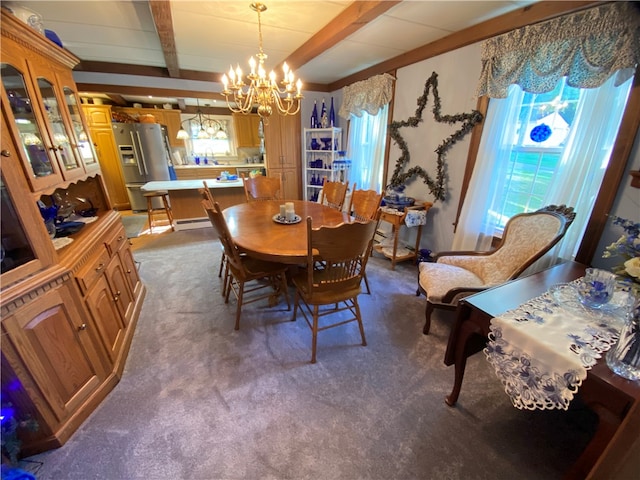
<point x="367" y="140"/>
<point x="541" y="134"/>
<point x="212" y="144"/>
<point x="537" y="150"/>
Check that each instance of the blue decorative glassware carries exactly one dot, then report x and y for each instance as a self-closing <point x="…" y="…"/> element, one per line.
<point x="596" y="287"/>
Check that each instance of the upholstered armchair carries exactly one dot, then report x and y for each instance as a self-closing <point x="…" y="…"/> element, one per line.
<point x="455" y="275"/>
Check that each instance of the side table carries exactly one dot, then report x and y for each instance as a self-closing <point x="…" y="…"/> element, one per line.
<point x="396" y="219"/>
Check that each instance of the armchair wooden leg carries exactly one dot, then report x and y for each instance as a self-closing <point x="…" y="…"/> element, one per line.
<point x="427" y="318"/>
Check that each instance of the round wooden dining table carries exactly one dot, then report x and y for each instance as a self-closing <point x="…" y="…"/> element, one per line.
<point x="255" y="232"/>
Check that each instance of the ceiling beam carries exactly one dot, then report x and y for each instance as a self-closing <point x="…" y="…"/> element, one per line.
<point x="352" y="18"/>
<point x="161" y="12"/>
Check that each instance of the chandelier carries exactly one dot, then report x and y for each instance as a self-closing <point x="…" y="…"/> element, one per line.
<point x="207" y="127"/>
<point x="262" y="91"/>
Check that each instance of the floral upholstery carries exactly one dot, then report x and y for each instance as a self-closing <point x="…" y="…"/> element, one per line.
<point x="456" y="275"/>
<point x="438" y="278"/>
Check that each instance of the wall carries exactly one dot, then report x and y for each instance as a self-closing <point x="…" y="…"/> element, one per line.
<point x="457" y="74"/>
<point x="626" y="205"/>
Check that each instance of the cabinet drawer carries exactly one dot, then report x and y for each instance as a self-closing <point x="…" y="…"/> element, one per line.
<point x="91" y="272"/>
<point x="116" y="241"/>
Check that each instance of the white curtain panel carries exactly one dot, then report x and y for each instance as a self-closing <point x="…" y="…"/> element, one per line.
<point x="366" y="146"/>
<point x="477" y="224"/>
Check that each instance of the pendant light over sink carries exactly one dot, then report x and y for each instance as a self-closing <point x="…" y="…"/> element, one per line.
<point x="207" y="127"/>
<point x="262" y="91"/>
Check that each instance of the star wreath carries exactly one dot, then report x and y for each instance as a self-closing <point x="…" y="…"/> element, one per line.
<point x="436" y="186"/>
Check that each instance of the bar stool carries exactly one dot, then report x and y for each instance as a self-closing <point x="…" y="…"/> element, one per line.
<point x="165" y="201"/>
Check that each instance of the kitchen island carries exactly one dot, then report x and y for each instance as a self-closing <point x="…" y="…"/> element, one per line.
<point x="186" y="199"/>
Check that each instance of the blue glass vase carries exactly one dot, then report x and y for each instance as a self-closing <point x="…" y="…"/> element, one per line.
<point x="332" y="115"/>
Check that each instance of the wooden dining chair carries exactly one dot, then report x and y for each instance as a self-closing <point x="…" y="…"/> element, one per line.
<point x="247" y="275"/>
<point x="336" y="261"/>
<point x="364" y="206"/>
<point x="208" y="196"/>
<point x="333" y="193"/>
<point x="262" y="188"/>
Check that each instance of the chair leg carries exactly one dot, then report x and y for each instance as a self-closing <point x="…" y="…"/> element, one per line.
<point x="222" y="261"/>
<point x="226" y="282"/>
<point x="359" y="318"/>
<point x="167" y="209"/>
<point x="296" y="299"/>
<point x="427" y="318"/>
<point x="150" y="213"/>
<point x="239" y="307"/>
<point x="366" y="283"/>
<point x="230" y="281"/>
<point x="314" y="339"/>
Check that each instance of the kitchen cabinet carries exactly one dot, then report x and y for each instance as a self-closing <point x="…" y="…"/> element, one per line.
<point x="246" y="129"/>
<point x="68" y="306"/>
<point x="282" y="144"/>
<point x="169" y="118"/>
<point x="101" y="133"/>
<point x="197" y="173"/>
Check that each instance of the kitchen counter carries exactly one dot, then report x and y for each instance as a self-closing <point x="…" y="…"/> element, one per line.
<point x="186" y="200"/>
<point x="189" y="184"/>
<point x="229" y="166"/>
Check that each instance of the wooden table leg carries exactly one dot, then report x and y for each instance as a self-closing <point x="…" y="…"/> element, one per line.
<point x="467" y="338"/>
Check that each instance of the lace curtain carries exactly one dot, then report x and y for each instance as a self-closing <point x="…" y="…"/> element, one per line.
<point x="587" y="47"/>
<point x="368" y="96"/>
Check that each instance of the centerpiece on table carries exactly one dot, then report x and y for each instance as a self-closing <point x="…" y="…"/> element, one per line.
<point x="624" y="357"/>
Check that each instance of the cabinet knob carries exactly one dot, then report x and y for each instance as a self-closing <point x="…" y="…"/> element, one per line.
<point x="100" y="267"/>
<point x="82" y="327"/>
<point x="5" y="153"/>
<point x="120" y="238"/>
<point x="128" y="270"/>
<point x="117" y="296"/>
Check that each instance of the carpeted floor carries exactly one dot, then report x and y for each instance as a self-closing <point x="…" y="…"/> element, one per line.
<point x="199" y="400"/>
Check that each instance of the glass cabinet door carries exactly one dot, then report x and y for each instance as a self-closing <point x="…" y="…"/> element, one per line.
<point x="82" y="141"/>
<point x="71" y="166"/>
<point x="33" y="140"/>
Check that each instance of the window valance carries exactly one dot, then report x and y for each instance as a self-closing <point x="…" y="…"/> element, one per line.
<point x="368" y="95"/>
<point x="587" y="47"/>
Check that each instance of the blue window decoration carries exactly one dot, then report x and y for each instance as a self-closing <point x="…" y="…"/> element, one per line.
<point x="540" y="133"/>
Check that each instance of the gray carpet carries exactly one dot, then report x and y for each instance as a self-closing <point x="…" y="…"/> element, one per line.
<point x="199" y="400"/>
<point x="134" y="224"/>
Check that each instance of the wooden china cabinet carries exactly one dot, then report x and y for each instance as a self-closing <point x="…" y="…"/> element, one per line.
<point x="69" y="305"/>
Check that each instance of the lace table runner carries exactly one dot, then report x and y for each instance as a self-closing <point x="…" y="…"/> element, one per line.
<point x="541" y="351"/>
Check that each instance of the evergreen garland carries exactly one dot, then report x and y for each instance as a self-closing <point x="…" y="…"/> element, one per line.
<point x="436" y="187"/>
